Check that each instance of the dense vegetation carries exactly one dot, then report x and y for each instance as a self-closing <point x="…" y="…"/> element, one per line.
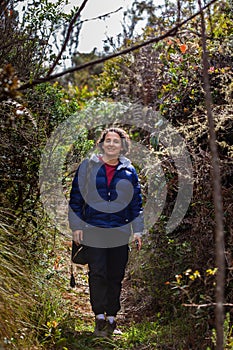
<point x="169" y="288"/>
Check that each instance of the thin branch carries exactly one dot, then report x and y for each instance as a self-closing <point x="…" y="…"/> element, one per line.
<point x="101" y="16"/>
<point x="170" y="32"/>
<point x="70" y="28"/>
<point x="199" y="306"/>
<point x="217" y="197"/>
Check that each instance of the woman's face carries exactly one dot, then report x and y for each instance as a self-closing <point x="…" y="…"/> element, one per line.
<point x="112" y="145"/>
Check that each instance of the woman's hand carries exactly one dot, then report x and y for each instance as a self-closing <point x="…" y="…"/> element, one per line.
<point x="137" y="240"/>
<point x="77" y="236"/>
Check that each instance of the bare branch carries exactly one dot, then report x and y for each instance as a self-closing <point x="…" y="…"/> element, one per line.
<point x="199" y="306"/>
<point x="170" y="32"/>
<point x="217" y="196"/>
<point x="70" y="28"/>
<point x="101" y="16"/>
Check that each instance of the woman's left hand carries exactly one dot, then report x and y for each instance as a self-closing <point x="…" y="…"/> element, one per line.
<point x="138" y="241"/>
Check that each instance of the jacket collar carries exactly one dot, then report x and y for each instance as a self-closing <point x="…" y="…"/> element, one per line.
<point x="124" y="162"/>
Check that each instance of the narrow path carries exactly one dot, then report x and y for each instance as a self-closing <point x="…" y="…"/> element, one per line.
<point x="79" y="295"/>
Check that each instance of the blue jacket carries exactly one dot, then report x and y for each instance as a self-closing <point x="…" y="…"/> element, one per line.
<point x="118" y="205"/>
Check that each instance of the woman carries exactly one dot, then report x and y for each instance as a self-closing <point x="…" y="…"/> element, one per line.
<point x="105" y="208"/>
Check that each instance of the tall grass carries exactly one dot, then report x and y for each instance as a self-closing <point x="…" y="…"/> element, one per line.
<point x="15" y="292"/>
<point x="32" y="309"/>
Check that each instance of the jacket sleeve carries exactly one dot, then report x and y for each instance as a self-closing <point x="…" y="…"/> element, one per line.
<point x="136" y="206"/>
<point x="76" y="202"/>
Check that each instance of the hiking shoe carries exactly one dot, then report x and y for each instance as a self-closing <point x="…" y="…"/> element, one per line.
<point x="100" y="328"/>
<point x="111" y="327"/>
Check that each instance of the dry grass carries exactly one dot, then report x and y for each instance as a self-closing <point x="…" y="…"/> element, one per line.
<point x="15" y="284"/>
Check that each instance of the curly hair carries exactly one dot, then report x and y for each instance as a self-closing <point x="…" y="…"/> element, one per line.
<point x="125" y="140"/>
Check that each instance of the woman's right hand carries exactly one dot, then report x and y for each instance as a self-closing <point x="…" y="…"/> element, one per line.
<point x="77" y="236"/>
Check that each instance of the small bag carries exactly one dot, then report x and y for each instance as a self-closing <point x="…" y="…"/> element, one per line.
<point x="79" y="254"/>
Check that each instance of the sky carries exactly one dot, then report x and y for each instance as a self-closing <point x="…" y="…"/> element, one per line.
<point x="94" y="32"/>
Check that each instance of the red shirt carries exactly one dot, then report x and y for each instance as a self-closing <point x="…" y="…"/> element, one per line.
<point x="110" y="171"/>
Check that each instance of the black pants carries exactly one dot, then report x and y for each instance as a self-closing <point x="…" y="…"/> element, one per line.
<point x="106" y="272"/>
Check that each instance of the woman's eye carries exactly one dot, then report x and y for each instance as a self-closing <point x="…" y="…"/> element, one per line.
<point x="114" y="141"/>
